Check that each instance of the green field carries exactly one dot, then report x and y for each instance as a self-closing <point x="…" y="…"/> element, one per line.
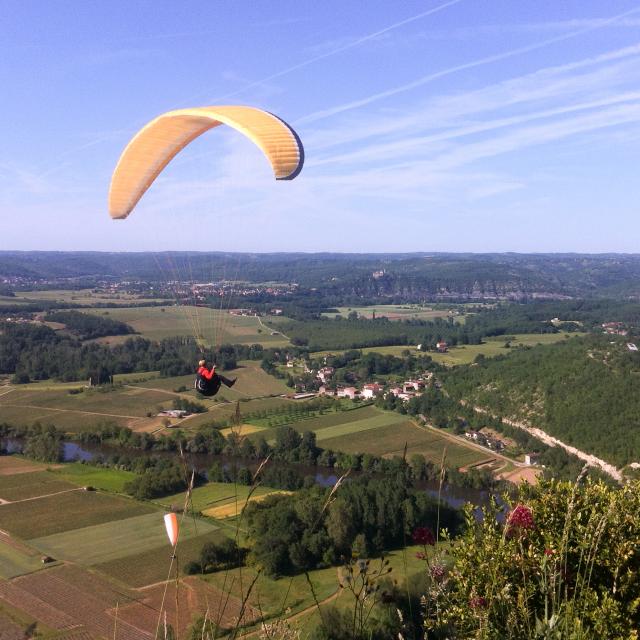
<point x="253" y="382"/>
<point x="213" y="494"/>
<point x="141" y="394"/>
<point x="85" y="475"/>
<point x="66" y="511"/>
<point x="321" y="422"/>
<point x="390" y="440"/>
<point x="361" y="426"/>
<point x="396" y="312"/>
<point x="18" y="561"/>
<point x="31" y="485"/>
<point x="75" y="412"/>
<point x="118" y="538"/>
<point x="466" y="354"/>
<point x="214" y="326"/>
<point x="120" y="401"/>
<point x="81" y="296"/>
<point x="396" y="350"/>
<point x="150" y="566"/>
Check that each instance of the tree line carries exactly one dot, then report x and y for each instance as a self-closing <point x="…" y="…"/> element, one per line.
<point x="36" y="352"/>
<point x="86" y="326"/>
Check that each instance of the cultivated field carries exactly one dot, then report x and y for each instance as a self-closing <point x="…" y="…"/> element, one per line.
<point x="320" y="422"/>
<point x="26" y="486"/>
<point x="16" y="559"/>
<point x="64" y="512"/>
<point x="124" y="406"/>
<point x="117" y="538"/>
<point x="14" y="465"/>
<point x="194" y="598"/>
<point x="464" y="354"/>
<point x="214" y="494"/>
<point x="390" y="440"/>
<point x="81" y="296"/>
<point x="397" y="312"/>
<point x="215" y="327"/>
<point x="69" y="597"/>
<point x="234" y="507"/>
<point x="141" y="394"/>
<point x="151" y="566"/>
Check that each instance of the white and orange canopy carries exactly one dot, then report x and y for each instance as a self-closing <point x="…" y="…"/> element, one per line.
<point x="158" y="142"/>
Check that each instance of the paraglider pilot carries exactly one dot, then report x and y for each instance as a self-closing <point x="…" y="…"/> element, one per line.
<point x="208" y="382"/>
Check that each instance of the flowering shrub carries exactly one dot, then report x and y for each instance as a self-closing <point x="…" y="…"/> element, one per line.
<point x="423" y="536"/>
<point x="519" y="520"/>
<point x="560" y="562"/>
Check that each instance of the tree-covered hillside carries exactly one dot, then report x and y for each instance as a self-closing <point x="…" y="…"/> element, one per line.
<point x="584" y="391"/>
<point x="392" y="276"/>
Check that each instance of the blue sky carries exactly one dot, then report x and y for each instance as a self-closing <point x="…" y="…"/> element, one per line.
<point x="461" y="125"/>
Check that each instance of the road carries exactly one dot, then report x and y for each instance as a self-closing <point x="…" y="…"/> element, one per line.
<point x="551" y="441"/>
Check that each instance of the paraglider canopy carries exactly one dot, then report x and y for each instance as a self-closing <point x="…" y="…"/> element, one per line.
<point x="158" y="142"/>
<point x="171" y="524"/>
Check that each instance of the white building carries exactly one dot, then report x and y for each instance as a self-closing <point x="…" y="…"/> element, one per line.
<point x="347" y="392"/>
<point x="371" y="390"/>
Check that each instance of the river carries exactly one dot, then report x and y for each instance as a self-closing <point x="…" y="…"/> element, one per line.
<point x="324" y="476"/>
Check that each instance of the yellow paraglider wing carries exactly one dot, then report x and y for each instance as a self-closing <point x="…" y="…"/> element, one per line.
<point x="156" y="144"/>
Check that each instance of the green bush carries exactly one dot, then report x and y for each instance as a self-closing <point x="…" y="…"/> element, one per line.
<point x="559" y="561"/>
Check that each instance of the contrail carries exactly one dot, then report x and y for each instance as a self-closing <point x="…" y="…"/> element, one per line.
<point x="300" y="65"/>
<point x="320" y="115"/>
<point x="337" y="50"/>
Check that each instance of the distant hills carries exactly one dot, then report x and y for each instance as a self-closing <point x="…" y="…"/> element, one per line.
<point x="428" y="276"/>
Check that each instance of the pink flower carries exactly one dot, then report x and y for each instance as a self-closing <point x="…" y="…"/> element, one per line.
<point x="438" y="572"/>
<point x="520" y="519"/>
<point x="421" y="555"/>
<point x="478" y="602"/>
<point x="548" y="552"/>
<point x="423" y="536"/>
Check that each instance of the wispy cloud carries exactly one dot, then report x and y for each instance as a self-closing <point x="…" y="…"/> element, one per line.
<point x="339" y="49"/>
<point x="431" y="77"/>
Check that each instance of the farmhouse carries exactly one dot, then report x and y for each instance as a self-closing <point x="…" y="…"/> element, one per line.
<point x="532" y="458"/>
<point x="325" y="374"/>
<point x="243" y="312"/>
<point x="371" y="390"/>
<point x="326" y="391"/>
<point x="412" y="385"/>
<point x="347" y="392"/>
<point x="174" y="413"/>
<point x="614" y="328"/>
<point x="442" y="346"/>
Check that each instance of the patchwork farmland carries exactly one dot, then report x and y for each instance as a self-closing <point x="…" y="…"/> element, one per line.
<point x="101" y="549"/>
